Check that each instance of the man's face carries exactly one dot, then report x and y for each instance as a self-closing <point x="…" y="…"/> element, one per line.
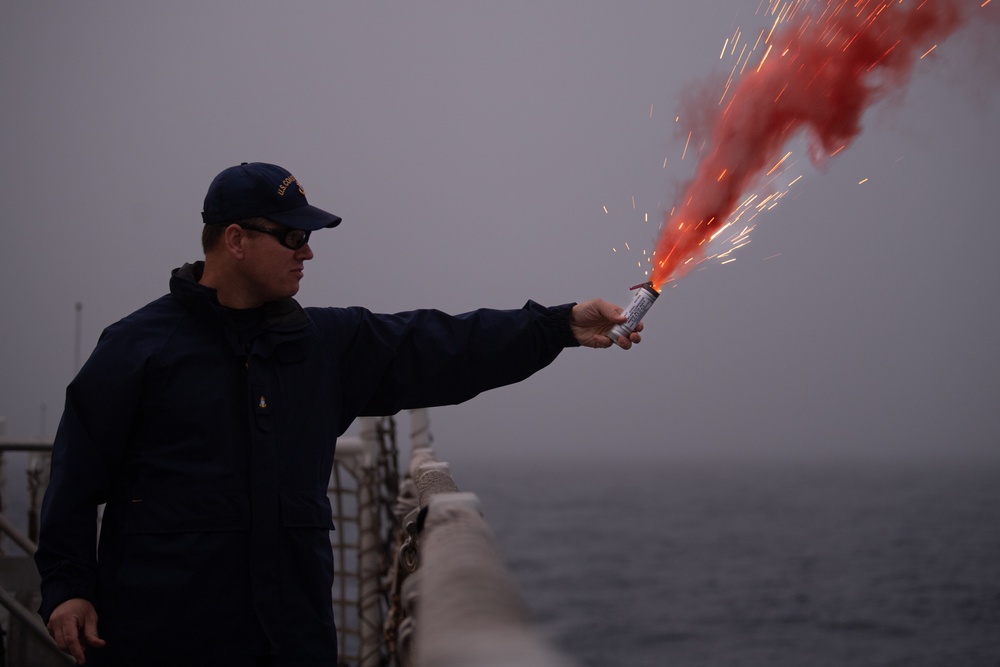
<point x="271" y="270"/>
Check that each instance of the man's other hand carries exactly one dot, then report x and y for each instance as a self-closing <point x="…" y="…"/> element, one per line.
<point x="74" y="621"/>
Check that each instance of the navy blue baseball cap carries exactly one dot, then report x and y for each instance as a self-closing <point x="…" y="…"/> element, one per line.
<point x="258" y="189"/>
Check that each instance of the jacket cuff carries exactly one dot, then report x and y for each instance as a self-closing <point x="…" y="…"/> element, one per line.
<point x="54" y="594"/>
<point x="560" y="317"/>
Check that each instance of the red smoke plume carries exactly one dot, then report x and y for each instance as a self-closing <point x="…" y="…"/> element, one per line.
<point x="819" y="71"/>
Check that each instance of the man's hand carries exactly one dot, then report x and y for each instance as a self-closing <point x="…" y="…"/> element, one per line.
<point x="590" y="321"/>
<point x="72" y="621"/>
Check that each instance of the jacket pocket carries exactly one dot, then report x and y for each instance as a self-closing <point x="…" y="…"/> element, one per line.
<point x="188" y="512"/>
<point x="300" y="509"/>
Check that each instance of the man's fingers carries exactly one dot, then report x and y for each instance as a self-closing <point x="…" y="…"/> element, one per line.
<point x="90" y="632"/>
<point x="626" y="342"/>
<point x="67" y="636"/>
<point x="73" y="624"/>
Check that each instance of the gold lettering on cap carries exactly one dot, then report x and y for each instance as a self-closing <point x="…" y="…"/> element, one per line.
<point x="285" y="183"/>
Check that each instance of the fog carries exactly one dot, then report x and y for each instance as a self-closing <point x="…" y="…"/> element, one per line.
<point x="483" y="154"/>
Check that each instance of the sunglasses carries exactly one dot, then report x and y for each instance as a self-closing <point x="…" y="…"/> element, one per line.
<point x="293" y="239"/>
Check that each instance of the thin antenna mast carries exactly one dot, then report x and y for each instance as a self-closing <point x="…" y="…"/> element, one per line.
<point x="76" y="338"/>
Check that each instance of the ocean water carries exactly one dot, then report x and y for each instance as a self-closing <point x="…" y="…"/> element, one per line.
<point x="753" y="564"/>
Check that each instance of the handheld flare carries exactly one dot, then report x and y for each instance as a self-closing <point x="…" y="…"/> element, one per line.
<point x="642" y="301"/>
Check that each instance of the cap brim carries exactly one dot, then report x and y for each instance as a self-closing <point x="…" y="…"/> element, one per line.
<point x="305" y="217"/>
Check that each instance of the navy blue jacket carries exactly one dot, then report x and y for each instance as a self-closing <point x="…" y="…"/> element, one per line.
<point x="213" y="448"/>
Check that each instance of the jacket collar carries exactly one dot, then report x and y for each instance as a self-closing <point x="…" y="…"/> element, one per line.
<point x="284" y="316"/>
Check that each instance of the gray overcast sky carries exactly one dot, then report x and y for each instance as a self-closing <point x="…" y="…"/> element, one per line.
<point x="471" y="149"/>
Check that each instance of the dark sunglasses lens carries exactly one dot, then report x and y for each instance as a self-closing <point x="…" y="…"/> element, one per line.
<point x="296" y="238"/>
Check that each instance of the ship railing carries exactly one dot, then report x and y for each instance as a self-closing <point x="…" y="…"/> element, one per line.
<point x="454" y="601"/>
<point x="420" y="580"/>
<point x="26" y="640"/>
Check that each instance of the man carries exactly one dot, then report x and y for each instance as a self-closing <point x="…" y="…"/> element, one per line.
<point x="207" y="420"/>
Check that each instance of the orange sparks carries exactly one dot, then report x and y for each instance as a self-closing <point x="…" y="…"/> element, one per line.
<point x="775" y="167"/>
<point x="765" y="56"/>
<point x="874" y="64"/>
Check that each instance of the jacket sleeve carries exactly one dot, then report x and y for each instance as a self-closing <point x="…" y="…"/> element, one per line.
<point x="100" y="403"/>
<point x="425" y="358"/>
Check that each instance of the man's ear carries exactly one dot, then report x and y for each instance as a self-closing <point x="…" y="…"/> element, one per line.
<point x="233" y="239"/>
